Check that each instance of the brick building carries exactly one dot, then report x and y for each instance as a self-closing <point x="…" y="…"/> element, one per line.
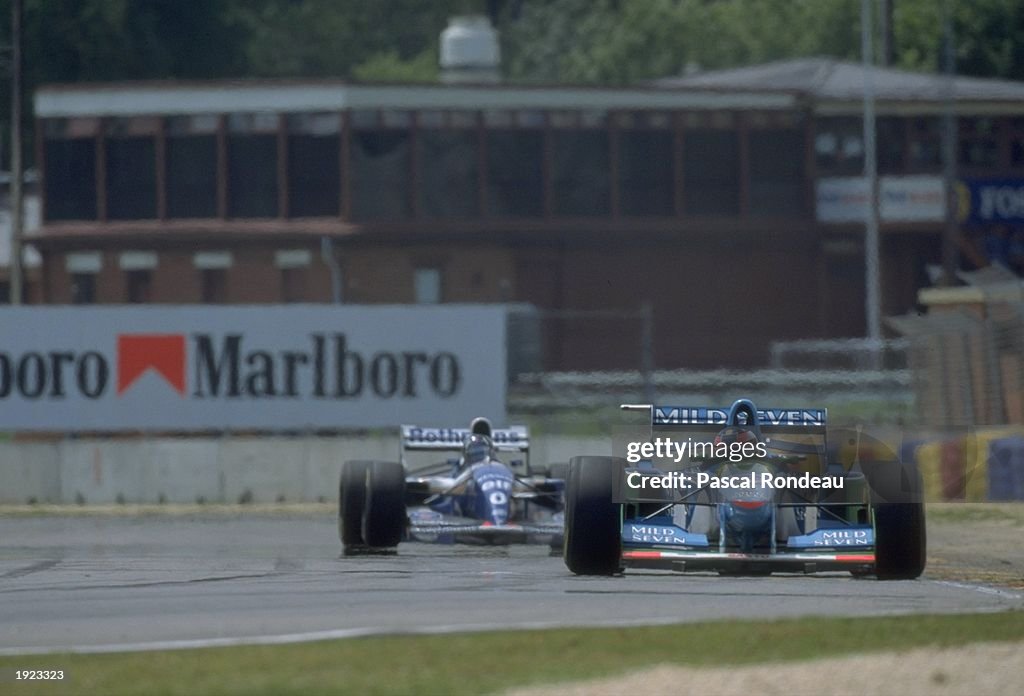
<point x="711" y="197"/>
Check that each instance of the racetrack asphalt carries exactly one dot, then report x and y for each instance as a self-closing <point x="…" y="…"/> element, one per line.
<point x="110" y="583"/>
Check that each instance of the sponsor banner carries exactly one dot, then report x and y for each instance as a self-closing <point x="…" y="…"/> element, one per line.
<point x="990" y="201"/>
<point x="640" y="532"/>
<point x="900" y="199"/>
<point x="703" y="415"/>
<point x="515" y="438"/>
<point x="837" y="536"/>
<point x="269" y="367"/>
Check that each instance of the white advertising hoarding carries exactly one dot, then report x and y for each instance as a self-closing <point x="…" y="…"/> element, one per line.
<point x="281" y="367"/>
<point x="900" y="199"/>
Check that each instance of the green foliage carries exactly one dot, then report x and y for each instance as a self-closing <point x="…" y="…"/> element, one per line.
<point x="389" y="67"/>
<point x="313" y="38"/>
<point x="621" y="42"/>
<point x="583" y="41"/>
<point x="615" y="41"/>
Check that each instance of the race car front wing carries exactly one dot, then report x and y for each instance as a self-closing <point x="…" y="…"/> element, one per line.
<point x="484" y="528"/>
<point x="792" y="562"/>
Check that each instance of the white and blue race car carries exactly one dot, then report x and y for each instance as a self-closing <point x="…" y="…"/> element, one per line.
<point x="472" y="498"/>
<point x="742" y="490"/>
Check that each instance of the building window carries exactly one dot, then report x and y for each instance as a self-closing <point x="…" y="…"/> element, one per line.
<point x="191" y="148"/>
<point x="213" y="275"/>
<point x="138" y="268"/>
<point x="447" y="163"/>
<point x="925" y="147"/>
<point x="83" y="288"/>
<point x="293" y="284"/>
<point x="979" y="142"/>
<point x="252" y="165"/>
<point x="711" y="172"/>
<point x="776" y="171"/>
<point x="314" y="169"/>
<point x="82" y="267"/>
<point x="581" y="167"/>
<point x="427" y="285"/>
<point x="839" y="146"/>
<point x="139" y="286"/>
<point x="645" y="172"/>
<point x="69" y="155"/>
<point x="293" y="264"/>
<point x="131" y="168"/>
<point x="515" y="173"/>
<point x="891" y="144"/>
<point x="379" y="164"/>
<point x="213" y="285"/>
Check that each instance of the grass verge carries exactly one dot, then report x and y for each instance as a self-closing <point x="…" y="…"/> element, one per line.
<point x="1007" y="513"/>
<point x="488" y="662"/>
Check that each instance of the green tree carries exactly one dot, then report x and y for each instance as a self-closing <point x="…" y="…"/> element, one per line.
<point x="383" y="39"/>
<point x="622" y="41"/>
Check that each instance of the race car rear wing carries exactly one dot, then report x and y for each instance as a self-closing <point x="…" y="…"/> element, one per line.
<point x="515" y="438"/>
<point x="788" y="420"/>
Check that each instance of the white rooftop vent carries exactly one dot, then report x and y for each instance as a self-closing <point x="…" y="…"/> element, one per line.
<point x="470" y="51"/>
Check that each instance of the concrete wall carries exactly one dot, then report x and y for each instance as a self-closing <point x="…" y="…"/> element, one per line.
<point x="216" y="470"/>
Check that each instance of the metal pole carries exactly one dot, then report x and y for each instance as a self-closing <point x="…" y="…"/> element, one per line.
<point x="888" y="37"/>
<point x="327" y="254"/>
<point x="647" y="350"/>
<point x="871" y="253"/>
<point x="16" y="215"/>
<point x="951" y="230"/>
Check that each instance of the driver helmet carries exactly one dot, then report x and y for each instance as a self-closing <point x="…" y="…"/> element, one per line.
<point x="736" y="433"/>
<point x="477" y="449"/>
<point x="735" y="436"/>
<point x="480" y="426"/>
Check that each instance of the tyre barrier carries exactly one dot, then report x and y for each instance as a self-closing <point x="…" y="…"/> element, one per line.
<point x="1006" y="469"/>
<point x="987" y="465"/>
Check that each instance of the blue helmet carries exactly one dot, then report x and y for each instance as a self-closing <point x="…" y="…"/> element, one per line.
<point x="477" y="449"/>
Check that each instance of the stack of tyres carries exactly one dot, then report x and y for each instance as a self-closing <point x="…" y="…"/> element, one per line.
<point x="977" y="457"/>
<point x="952" y="470"/>
<point x="1006" y="469"/>
<point x="942" y="468"/>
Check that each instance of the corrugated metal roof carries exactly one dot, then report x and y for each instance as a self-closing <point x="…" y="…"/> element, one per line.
<point x="831" y="79"/>
<point x="129" y="99"/>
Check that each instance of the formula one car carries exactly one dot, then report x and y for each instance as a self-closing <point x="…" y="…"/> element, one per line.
<point x="474" y="498"/>
<point x="742" y="491"/>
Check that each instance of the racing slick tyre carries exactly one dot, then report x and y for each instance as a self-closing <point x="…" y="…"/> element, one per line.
<point x="351" y="502"/>
<point x="900" y="538"/>
<point x="384" y="518"/>
<point x="593" y="542"/>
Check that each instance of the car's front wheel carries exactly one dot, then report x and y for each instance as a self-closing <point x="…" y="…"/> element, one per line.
<point x="900" y="536"/>
<point x="351" y="503"/>
<point x="384" y="517"/>
<point x="593" y="542"/>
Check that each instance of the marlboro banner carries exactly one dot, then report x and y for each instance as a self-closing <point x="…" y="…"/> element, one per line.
<point x="288" y="367"/>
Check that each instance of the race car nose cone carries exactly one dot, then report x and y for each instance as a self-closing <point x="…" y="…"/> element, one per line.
<point x="749" y="504"/>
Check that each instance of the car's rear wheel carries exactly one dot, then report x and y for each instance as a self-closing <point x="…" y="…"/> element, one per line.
<point x="900" y="536"/>
<point x="384" y="517"/>
<point x="593" y="542"/>
<point x="351" y="502"/>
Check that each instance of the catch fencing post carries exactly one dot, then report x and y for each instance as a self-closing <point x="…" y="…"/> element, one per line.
<point x="647" y="350"/>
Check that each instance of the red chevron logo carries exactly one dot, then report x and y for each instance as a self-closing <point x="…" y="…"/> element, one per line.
<point x="164" y="353"/>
